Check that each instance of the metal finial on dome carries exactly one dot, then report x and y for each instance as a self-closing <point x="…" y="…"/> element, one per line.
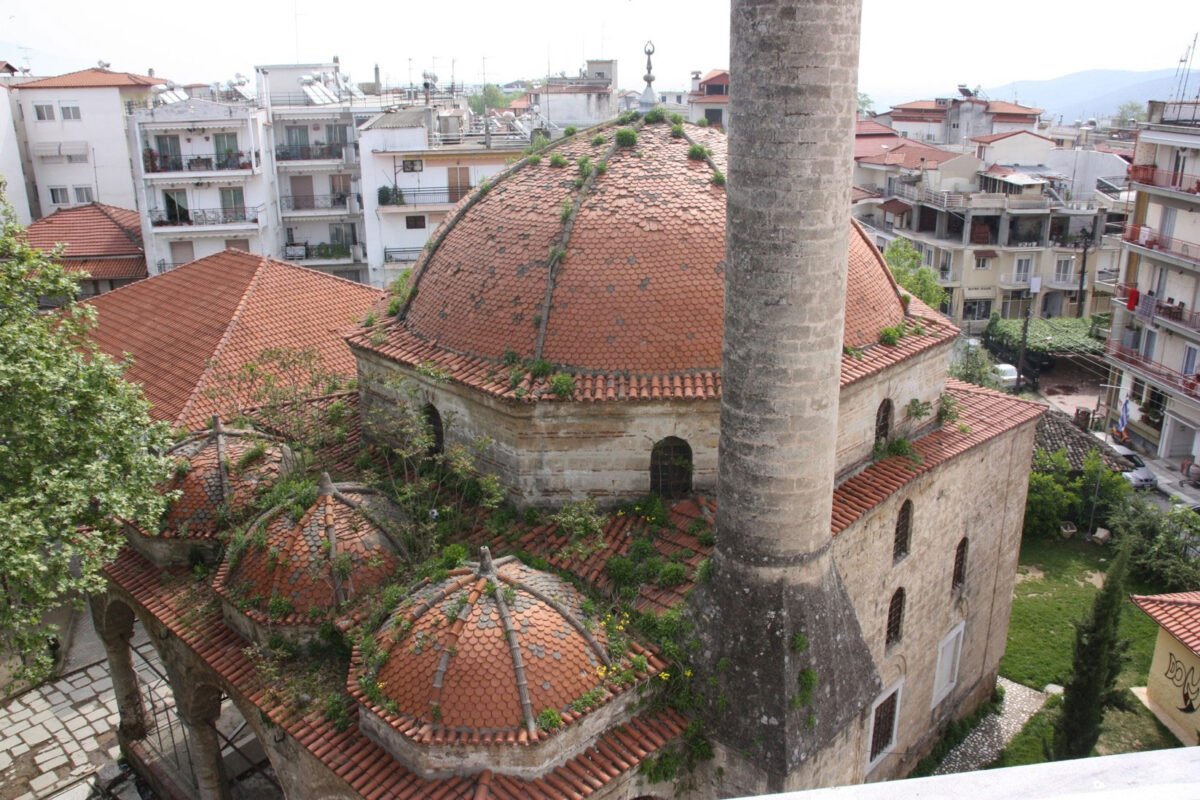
<point x="325" y="485"/>
<point x="649" y="76"/>
<point x="648" y="100"/>
<point x="485" y="561"/>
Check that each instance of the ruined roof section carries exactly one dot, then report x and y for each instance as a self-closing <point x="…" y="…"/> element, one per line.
<point x="93" y="78"/>
<point x="91" y="230"/>
<point x="983" y="415"/>
<point x="635" y="308"/>
<point x="225" y="310"/>
<point x="477" y="657"/>
<point x="1178" y="614"/>
<point x="1057" y="431"/>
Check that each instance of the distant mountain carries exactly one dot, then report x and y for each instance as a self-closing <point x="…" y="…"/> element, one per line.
<point x="1092" y="93"/>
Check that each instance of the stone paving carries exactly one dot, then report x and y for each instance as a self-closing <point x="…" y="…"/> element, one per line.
<point x="983" y="745"/>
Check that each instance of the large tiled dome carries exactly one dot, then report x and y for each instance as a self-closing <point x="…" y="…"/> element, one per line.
<point x="613" y="273"/>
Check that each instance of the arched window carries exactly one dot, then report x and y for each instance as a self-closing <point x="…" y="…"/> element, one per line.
<point x="960" y="566"/>
<point x="671" y="467"/>
<point x="437" y="436"/>
<point x="895" y="620"/>
<point x="903" y="532"/>
<point x="883" y="421"/>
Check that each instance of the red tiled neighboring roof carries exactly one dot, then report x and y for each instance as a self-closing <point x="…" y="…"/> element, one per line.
<point x="713" y="73"/>
<point x="91" y="230"/>
<point x="895" y="206"/>
<point x="995" y="137"/>
<point x="908" y="154"/>
<point x="869" y="127"/>
<point x="921" y="105"/>
<point x="857" y="194"/>
<point x="108" y="269"/>
<point x="1178" y="614"/>
<point x="93" y="78"/>
<point x="706" y="99"/>
<point x="9" y="68"/>
<point x="369" y="770"/>
<point x="1002" y="107"/>
<point x="983" y="413"/>
<point x="189" y="328"/>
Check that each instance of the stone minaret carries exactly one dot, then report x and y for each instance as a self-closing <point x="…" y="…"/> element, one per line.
<point x="775" y="615"/>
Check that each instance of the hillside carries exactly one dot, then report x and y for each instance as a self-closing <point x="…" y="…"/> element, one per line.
<point x="1092" y="93"/>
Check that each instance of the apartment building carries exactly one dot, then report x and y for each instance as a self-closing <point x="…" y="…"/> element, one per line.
<point x="584" y="100"/>
<point x="1004" y="230"/>
<point x="13" y="155"/>
<point x="417" y="163"/>
<point x="75" y="128"/>
<point x="206" y="181"/>
<point x="1154" y="344"/>
<point x="709" y="98"/>
<point x="958" y="120"/>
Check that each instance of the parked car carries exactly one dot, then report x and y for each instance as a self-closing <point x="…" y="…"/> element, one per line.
<point x="1006" y="374"/>
<point x="1140" y="477"/>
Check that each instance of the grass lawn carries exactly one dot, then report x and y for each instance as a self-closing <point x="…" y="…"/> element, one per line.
<point x="1058" y="580"/>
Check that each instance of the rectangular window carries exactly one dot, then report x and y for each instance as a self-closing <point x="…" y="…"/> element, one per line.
<point x="43" y="112"/>
<point x="413" y="165"/>
<point x="77" y="158"/>
<point x="1138" y="391"/>
<point x="982" y="263"/>
<point x="343" y="233"/>
<point x="946" y="675"/>
<point x="59" y="195"/>
<point x="339" y="185"/>
<point x="1024" y="265"/>
<point x="336" y="134"/>
<point x="175" y="206"/>
<point x="977" y="309"/>
<point x="414" y="222"/>
<point x="83" y="194"/>
<point x="883" y="726"/>
<point x="70" y="112"/>
<point x="1189" y="359"/>
<point x="1062" y="270"/>
<point x="233" y="204"/>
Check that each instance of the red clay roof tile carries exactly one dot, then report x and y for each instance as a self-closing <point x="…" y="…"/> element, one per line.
<point x="93" y="78"/>
<point x="1178" y="614"/>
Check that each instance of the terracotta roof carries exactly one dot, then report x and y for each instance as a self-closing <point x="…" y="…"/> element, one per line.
<point x="869" y="127"/>
<point x="93" y="79"/>
<point x="476" y="657"/>
<point x="91" y="230"/>
<point x="705" y="99"/>
<point x="1178" y="614"/>
<point x="713" y="73"/>
<point x="1057" y="431"/>
<point x="895" y="206"/>
<point x="108" y="268"/>
<point x="302" y="561"/>
<point x="365" y="766"/>
<point x="857" y="194"/>
<point x="636" y="307"/>
<point x="1002" y="107"/>
<point x="983" y="415"/>
<point x="921" y="105"/>
<point x="9" y="68"/>
<point x="995" y="137"/>
<point x="189" y="328"/>
<point x="908" y="154"/>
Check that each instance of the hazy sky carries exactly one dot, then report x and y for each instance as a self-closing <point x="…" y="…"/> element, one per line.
<point x="909" y="49"/>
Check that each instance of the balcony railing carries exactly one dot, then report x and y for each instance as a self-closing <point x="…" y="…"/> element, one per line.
<point x="948" y="276"/>
<point x="1149" y="308"/>
<point x="1187" y="384"/>
<point x="1014" y="278"/>
<point x="309" y="152"/>
<point x="154" y="161"/>
<point x="1146" y="237"/>
<point x="164" y="265"/>
<point x="205" y="216"/>
<point x="393" y="255"/>
<point x="400" y="196"/>
<point x="311" y="202"/>
<point x="304" y="251"/>
<point x="1165" y="178"/>
<point x="1063" y="280"/>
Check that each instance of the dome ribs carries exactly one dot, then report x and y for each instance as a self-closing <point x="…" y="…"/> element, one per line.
<point x="518" y="665"/>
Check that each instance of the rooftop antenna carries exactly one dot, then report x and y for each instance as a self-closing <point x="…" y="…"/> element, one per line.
<point x="1183" y="72"/>
<point x="102" y="64"/>
<point x="296" y="27"/>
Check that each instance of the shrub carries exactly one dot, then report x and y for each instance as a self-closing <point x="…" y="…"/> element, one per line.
<point x="655" y="115"/>
<point x="570" y="130"/>
<point x="891" y="336"/>
<point x="676" y="119"/>
<point x="702" y="122"/>
<point x="677" y="131"/>
<point x="541" y="368"/>
<point x="718" y="178"/>
<point x="535" y="158"/>
<point x="394" y="306"/>
<point x="562" y="385"/>
<point x="672" y="574"/>
<point x="565" y="209"/>
<point x="580" y="520"/>
<point x="918" y="409"/>
<point x="697" y="152"/>
<point x="598" y="140"/>
<point x="558" y="160"/>
<point x="626" y="137"/>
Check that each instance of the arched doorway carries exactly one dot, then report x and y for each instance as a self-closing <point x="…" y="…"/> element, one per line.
<point x="437" y="435"/>
<point x="671" y="468"/>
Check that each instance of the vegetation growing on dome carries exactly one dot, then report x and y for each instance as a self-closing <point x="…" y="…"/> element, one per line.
<point x="655" y="115"/>
<point x="626" y="137"/>
<point x="558" y="160"/>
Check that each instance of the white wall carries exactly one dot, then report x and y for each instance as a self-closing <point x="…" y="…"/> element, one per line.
<point x="10" y="160"/>
<point x="1019" y="150"/>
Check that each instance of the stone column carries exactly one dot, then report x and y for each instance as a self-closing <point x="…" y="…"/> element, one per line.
<point x="776" y="610"/>
<point x="199" y="706"/>
<point x="114" y="625"/>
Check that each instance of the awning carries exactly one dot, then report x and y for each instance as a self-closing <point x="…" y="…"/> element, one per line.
<point x="74" y="148"/>
<point x="895" y="206"/>
<point x="986" y="254"/>
<point x="51" y="149"/>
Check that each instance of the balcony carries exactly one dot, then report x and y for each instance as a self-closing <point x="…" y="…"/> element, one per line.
<point x="1147" y="238"/>
<point x="1015" y="280"/>
<point x="237" y="215"/>
<point x="320" y="252"/>
<point x="392" y="196"/>
<point x="155" y="162"/>
<point x="1154" y="370"/>
<point x="399" y="255"/>
<point x="1151" y="175"/>
<point x="315" y="202"/>
<point x="1063" y="280"/>
<point x="1150" y="309"/>
<point x="948" y="276"/>
<point x="166" y="266"/>
<point x="310" y="152"/>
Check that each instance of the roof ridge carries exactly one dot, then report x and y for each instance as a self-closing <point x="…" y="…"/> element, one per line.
<point x="129" y="234"/>
<point x="210" y="363"/>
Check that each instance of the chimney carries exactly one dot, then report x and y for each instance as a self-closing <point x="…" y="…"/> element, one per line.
<point x="378" y="85"/>
<point x="695" y="81"/>
<point x="776" y="607"/>
<point x="150" y="72"/>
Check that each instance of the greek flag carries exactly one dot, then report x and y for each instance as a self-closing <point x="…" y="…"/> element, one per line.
<point x="1124" y="420"/>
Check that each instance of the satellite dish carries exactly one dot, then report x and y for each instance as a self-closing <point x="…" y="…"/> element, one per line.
<point x="103" y="64"/>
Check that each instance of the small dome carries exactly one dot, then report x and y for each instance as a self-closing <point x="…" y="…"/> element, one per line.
<point x="300" y="573"/>
<point x="493" y="655"/>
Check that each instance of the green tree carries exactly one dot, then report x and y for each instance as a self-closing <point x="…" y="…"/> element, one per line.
<point x="490" y="97"/>
<point x="865" y="103"/>
<point x="975" y="366"/>
<point x="905" y="264"/>
<point x="1099" y="656"/>
<point x="1164" y="547"/>
<point x="78" y="451"/>
<point x="1102" y="492"/>
<point x="1130" y="109"/>
<point x="1053" y="494"/>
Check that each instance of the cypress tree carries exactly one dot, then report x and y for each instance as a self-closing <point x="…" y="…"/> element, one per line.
<point x="1099" y="655"/>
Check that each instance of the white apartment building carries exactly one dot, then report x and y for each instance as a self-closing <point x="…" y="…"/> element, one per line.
<point x="417" y="163"/>
<point x="1154" y="344"/>
<point x="588" y="99"/>
<point x="206" y="181"/>
<point x="12" y="150"/>
<point x="75" y="128"/>
<point x="958" y="120"/>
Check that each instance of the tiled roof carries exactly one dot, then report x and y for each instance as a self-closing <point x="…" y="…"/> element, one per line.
<point x="91" y="230"/>
<point x="1002" y="107"/>
<point x="332" y="555"/>
<point x="92" y="79"/>
<point x="475" y="658"/>
<point x="869" y="127"/>
<point x="895" y="206"/>
<point x="705" y="99"/>
<point x="857" y="193"/>
<point x="636" y="307"/>
<point x="713" y="73"/>
<point x="111" y="269"/>
<point x="983" y="415"/>
<point x="365" y="766"/>
<point x="921" y="106"/>
<point x="1057" y="431"/>
<point x="1178" y="614"/>
<point x="190" y="328"/>
<point x="908" y="154"/>
<point x="995" y="137"/>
